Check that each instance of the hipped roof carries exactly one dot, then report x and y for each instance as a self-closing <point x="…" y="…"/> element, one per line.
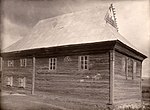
<point x="86" y="26"/>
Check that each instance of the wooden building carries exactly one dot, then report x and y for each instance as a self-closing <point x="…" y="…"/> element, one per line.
<point x="80" y="55"/>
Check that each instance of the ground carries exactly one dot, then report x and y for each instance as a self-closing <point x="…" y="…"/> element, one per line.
<point x="25" y="102"/>
<point x="36" y="102"/>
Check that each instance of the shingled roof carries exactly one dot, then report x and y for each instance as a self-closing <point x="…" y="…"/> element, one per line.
<point x="86" y="26"/>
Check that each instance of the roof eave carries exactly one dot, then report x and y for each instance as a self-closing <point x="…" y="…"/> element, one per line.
<point x="131" y="49"/>
<point x="105" y="45"/>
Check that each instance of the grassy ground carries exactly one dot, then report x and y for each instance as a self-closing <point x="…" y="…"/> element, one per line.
<point x="19" y="102"/>
<point x="52" y="102"/>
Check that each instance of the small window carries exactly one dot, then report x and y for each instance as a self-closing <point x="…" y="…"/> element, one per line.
<point x="84" y="62"/>
<point x="22" y="82"/>
<point x="52" y="63"/>
<point x="23" y="62"/>
<point x="9" y="81"/>
<point x="10" y="63"/>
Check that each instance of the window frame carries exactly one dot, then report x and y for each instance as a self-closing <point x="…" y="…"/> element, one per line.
<point x="10" y="63"/>
<point x="22" y="82"/>
<point x="134" y="69"/>
<point x="131" y="74"/>
<point x="123" y="61"/>
<point x="52" y="64"/>
<point x="84" y="62"/>
<point x="23" y="62"/>
<point x="9" y="81"/>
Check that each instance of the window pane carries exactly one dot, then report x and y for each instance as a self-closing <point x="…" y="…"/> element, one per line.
<point x="85" y="62"/>
<point x="85" y="66"/>
<point x="82" y="62"/>
<point x="51" y="67"/>
<point x="81" y="66"/>
<point x="85" y="57"/>
<point x="82" y="58"/>
<point x="52" y="63"/>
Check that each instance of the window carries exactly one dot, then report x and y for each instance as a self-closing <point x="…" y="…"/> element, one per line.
<point x="22" y="82"/>
<point x="130" y="68"/>
<point x="10" y="63"/>
<point x="83" y="60"/>
<point x="134" y="69"/>
<point x="52" y="63"/>
<point x="123" y="65"/>
<point x="23" y="62"/>
<point x="9" y="81"/>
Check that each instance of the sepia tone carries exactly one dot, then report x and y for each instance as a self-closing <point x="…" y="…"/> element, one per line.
<point x="77" y="60"/>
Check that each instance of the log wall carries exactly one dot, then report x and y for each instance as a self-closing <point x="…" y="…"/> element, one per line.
<point x="68" y="80"/>
<point x="126" y="89"/>
<point x="18" y="72"/>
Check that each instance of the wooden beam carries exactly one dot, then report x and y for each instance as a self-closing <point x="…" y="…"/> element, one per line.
<point x="1" y="69"/>
<point x="141" y="83"/>
<point x="112" y="66"/>
<point x="33" y="76"/>
<point x="1" y="59"/>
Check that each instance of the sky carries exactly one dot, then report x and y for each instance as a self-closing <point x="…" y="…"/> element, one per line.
<point x="20" y="16"/>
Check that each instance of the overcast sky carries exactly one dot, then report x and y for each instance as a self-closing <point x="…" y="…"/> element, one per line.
<point x="19" y="17"/>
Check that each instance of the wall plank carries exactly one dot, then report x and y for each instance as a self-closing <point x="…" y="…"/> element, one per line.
<point x="92" y="84"/>
<point x="126" y="89"/>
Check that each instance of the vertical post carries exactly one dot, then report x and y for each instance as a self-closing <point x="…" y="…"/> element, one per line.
<point x="1" y="60"/>
<point x="141" y="83"/>
<point x="112" y="66"/>
<point x="33" y="76"/>
<point x="1" y="69"/>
